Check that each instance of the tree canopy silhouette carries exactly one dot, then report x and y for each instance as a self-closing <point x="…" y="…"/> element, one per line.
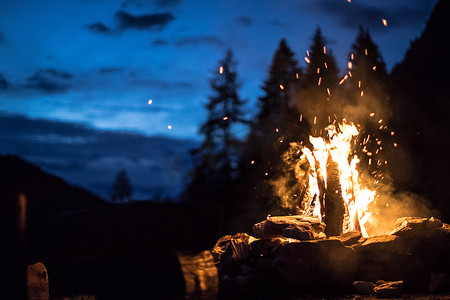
<point x="315" y="99"/>
<point x="216" y="158"/>
<point x="121" y="189"/>
<point x="276" y="125"/>
<point x="367" y="103"/>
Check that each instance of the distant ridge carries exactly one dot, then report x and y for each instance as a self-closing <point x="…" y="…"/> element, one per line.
<point x="90" y="157"/>
<point x="46" y="194"/>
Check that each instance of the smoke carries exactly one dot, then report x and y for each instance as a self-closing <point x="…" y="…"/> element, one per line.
<point x="291" y="186"/>
<point x="394" y="206"/>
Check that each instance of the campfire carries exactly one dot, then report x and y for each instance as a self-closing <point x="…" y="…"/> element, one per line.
<point x="333" y="191"/>
<point x="332" y="245"/>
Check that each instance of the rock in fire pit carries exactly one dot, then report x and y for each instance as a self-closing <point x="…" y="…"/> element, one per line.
<point x="296" y="227"/>
<point x="291" y="257"/>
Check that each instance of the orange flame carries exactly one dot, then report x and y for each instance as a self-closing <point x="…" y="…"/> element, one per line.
<point x="356" y="197"/>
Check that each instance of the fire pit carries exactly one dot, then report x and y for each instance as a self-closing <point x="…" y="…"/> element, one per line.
<point x="290" y="256"/>
<point x="335" y="245"/>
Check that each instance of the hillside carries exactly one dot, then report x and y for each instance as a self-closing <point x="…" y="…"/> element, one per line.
<point x="91" y="158"/>
<point x="46" y="194"/>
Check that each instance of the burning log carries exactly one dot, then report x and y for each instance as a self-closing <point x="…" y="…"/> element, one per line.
<point x="334" y="202"/>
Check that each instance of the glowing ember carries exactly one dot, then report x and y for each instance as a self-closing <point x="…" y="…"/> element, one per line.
<point x="307" y="60"/>
<point x="281" y="87"/>
<point x="221" y="70"/>
<point x="336" y="148"/>
<point x="169" y="127"/>
<point x="150" y="102"/>
<point x="225" y="118"/>
<point x="384" y="22"/>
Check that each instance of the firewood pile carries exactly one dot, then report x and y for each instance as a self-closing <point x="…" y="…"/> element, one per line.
<point x="290" y="256"/>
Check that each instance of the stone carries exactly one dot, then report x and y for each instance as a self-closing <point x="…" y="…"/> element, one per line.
<point x="200" y="275"/>
<point x="439" y="282"/>
<point x="319" y="263"/>
<point x="296" y="227"/>
<point x="363" y="287"/>
<point x="382" y="243"/>
<point x="230" y="251"/>
<point x="263" y="247"/>
<point x="415" y="230"/>
<point x="349" y="238"/>
<point x="393" y="266"/>
<point x="37" y="282"/>
<point x="391" y="289"/>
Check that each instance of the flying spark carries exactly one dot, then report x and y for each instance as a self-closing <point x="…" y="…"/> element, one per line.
<point x="221" y="70"/>
<point x="150" y="101"/>
<point x="384" y="22"/>
<point x="225" y="118"/>
<point x="169" y="127"/>
<point x="307" y="60"/>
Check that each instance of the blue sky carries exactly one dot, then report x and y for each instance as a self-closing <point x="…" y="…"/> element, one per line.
<point x="98" y="62"/>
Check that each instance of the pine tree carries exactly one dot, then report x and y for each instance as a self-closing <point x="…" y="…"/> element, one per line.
<point x="216" y="158"/>
<point x="316" y="99"/>
<point x="121" y="189"/>
<point x="277" y="124"/>
<point x="366" y="90"/>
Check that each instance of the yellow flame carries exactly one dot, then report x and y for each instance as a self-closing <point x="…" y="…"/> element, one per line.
<point x="356" y="197"/>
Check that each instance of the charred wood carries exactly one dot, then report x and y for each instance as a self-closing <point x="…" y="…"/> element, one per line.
<point x="334" y="203"/>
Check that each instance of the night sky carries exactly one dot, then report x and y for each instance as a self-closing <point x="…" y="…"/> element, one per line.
<point x="99" y="62"/>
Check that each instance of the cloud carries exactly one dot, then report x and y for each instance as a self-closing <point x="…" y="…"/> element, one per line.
<point x="351" y="15"/>
<point x="99" y="28"/>
<point x="160" y="42"/>
<point x="244" y="20"/>
<point x="140" y="4"/>
<point x="110" y="70"/>
<point x="3" y="83"/>
<point x="199" y="40"/>
<point x="49" y="81"/>
<point x="149" y="21"/>
<point x="166" y="3"/>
